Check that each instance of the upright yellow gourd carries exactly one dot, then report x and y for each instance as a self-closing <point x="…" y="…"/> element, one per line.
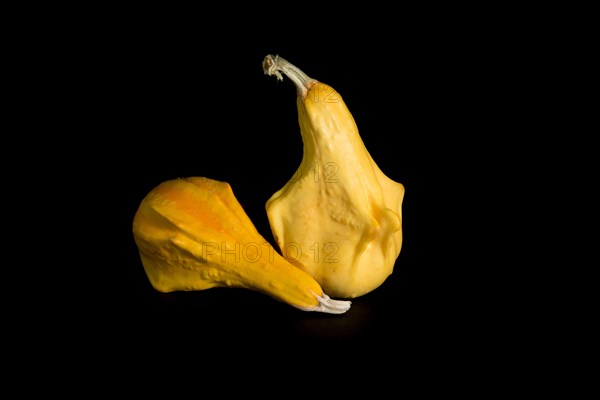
<point x="339" y="216"/>
<point x="193" y="234"/>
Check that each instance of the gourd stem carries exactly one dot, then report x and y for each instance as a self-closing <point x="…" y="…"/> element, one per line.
<point x="329" y="306"/>
<point x="274" y="65"/>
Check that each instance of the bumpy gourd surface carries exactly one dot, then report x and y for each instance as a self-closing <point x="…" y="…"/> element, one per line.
<point x="193" y="234"/>
<point x="339" y="217"/>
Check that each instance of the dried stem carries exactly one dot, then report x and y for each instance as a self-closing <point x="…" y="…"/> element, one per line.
<point x="274" y="65"/>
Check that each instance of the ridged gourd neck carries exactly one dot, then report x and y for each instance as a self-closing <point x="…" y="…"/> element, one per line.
<point x="341" y="135"/>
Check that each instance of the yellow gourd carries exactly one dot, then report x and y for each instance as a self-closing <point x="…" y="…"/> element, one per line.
<point x="339" y="212"/>
<point x="193" y="234"/>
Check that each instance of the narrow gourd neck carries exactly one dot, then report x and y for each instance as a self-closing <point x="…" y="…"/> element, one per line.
<point x="329" y="132"/>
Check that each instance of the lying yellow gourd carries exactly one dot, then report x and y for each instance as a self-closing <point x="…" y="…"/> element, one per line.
<point x="193" y="234"/>
<point x="339" y="213"/>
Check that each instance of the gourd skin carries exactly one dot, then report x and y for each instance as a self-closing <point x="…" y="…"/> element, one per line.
<point x="342" y="211"/>
<point x="192" y="234"/>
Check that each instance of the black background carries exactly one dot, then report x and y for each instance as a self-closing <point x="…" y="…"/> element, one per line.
<point x="155" y="101"/>
<point x="459" y="104"/>
<point x="212" y="112"/>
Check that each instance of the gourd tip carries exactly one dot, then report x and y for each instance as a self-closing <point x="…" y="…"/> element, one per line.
<point x="270" y="66"/>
